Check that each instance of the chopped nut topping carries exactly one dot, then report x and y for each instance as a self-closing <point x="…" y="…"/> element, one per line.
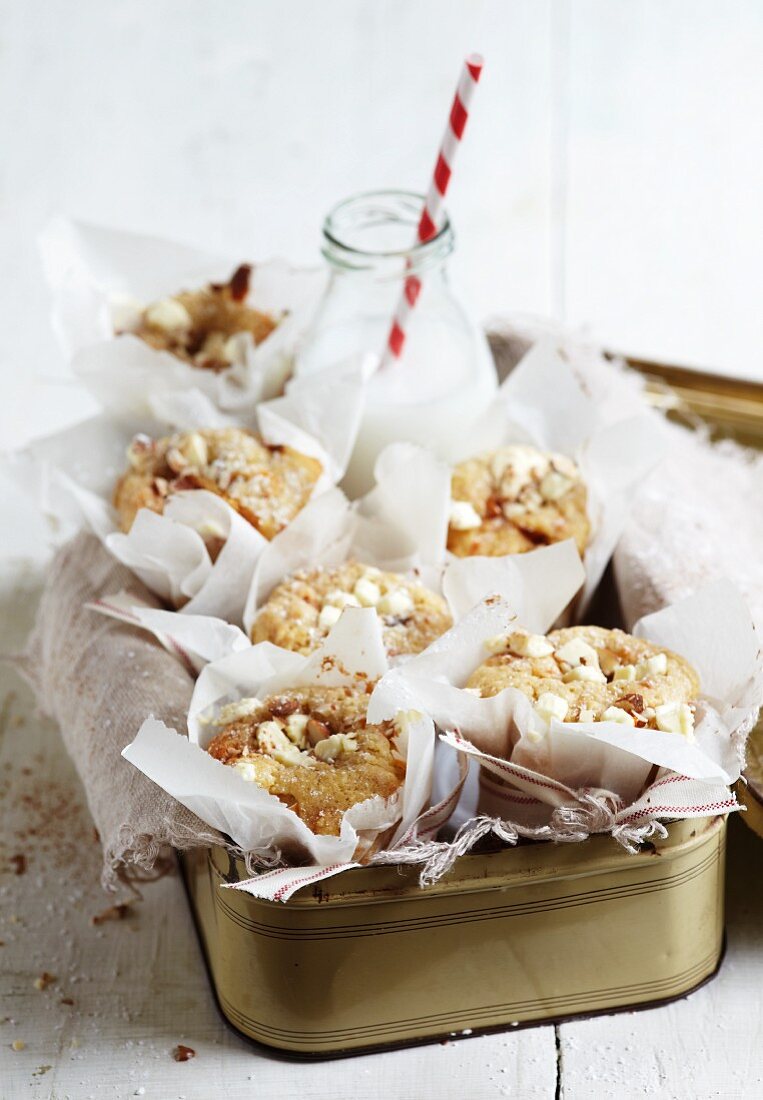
<point x="317" y="731"/>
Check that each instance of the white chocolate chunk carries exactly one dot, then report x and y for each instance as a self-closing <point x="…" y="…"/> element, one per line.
<point x="529" y="645"/>
<point x="463" y="516"/>
<point x="244" y="708"/>
<point x="169" y="315"/>
<point x="246" y="770"/>
<point x="338" y="598"/>
<point x="271" y="737"/>
<point x="272" y="740"/>
<point x="328" y="749"/>
<point x="554" y="485"/>
<point x="328" y="616"/>
<point x="585" y="672"/>
<point x="675" y="718"/>
<point x="368" y="592"/>
<point x="586" y="715"/>
<point x="564" y="465"/>
<point x="515" y="467"/>
<point x="395" y="602"/>
<point x="577" y="652"/>
<point x="296" y="724"/>
<point x="195" y="449"/>
<point x="617" y="714"/>
<point x="551" y="706"/>
<point x="126" y="312"/>
<point x="514" y="510"/>
<point x="499" y="643"/>
<point x="234" y="348"/>
<point x="624" y="672"/>
<point x="653" y="666"/>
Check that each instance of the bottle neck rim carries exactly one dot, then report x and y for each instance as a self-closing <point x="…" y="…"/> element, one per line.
<point x="375" y="232"/>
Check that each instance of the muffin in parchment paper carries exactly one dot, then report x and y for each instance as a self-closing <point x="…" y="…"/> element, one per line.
<point x="592" y="674"/>
<point x="313" y="749"/>
<point x="203" y="327"/>
<point x="514" y="499"/>
<point x="267" y="485"/>
<point x="300" y="611"/>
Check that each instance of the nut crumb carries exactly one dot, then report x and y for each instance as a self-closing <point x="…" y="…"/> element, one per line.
<point x="182" y="1053"/>
<point x="66" y="1001"/>
<point x="18" y="1044"/>
<point x="114" y="912"/>
<point x="45" y="979"/>
<point x="19" y="863"/>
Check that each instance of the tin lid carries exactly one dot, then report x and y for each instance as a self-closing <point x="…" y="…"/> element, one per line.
<point x="750" y="791"/>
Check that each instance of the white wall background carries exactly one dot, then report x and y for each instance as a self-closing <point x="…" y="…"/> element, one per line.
<point x="611" y="176"/>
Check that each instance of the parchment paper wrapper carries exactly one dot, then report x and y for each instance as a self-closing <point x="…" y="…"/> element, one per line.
<point x="582" y="778"/>
<point x="73" y="474"/>
<point x="615" y="445"/>
<point x="257" y="821"/>
<point x="100" y="279"/>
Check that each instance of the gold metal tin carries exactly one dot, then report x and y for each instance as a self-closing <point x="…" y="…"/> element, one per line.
<point x="528" y="934"/>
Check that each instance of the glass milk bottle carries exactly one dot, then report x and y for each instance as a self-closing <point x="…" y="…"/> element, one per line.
<point x="445" y="376"/>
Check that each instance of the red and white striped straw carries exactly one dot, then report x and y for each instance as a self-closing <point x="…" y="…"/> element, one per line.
<point x="427" y="228"/>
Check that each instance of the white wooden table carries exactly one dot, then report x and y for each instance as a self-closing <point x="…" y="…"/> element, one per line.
<point x="126" y="992"/>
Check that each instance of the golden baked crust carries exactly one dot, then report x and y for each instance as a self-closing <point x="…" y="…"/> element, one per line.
<point x="267" y="485"/>
<point x="626" y="673"/>
<point x="313" y="750"/>
<point x="301" y="610"/>
<point x="520" y="498"/>
<point x="196" y="325"/>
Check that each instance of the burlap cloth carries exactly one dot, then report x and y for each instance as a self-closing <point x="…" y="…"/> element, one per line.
<point x="695" y="519"/>
<point x="98" y="679"/>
